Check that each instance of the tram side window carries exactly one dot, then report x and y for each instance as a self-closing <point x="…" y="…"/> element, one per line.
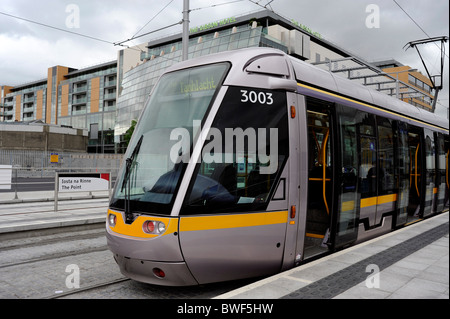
<point x="368" y="164"/>
<point x="386" y="168"/>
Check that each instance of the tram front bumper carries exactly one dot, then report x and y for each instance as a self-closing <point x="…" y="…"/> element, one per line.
<point x="175" y="273"/>
<point x="149" y="258"/>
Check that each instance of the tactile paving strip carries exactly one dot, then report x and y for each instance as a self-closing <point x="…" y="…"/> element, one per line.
<point x="335" y="284"/>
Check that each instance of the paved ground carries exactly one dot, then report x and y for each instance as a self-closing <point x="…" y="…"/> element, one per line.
<point x="409" y="263"/>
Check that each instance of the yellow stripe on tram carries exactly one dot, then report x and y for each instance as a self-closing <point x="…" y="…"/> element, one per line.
<point x="372" y="201"/>
<point x="232" y="221"/>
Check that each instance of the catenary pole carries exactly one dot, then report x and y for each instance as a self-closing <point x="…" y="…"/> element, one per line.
<point x="185" y="37"/>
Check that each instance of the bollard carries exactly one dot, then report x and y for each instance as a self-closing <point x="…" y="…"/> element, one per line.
<point x="56" y="191"/>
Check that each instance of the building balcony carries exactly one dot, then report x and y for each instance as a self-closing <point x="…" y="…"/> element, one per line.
<point x="79" y="100"/>
<point x="79" y="109"/>
<point x="109" y="96"/>
<point x="28" y="117"/>
<point x="8" y="103"/>
<point x="28" y="109"/>
<point x="28" y="99"/>
<point x="8" y="112"/>
<point x="112" y="83"/>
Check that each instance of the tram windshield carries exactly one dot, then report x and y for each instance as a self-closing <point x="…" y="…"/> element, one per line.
<point x="154" y="158"/>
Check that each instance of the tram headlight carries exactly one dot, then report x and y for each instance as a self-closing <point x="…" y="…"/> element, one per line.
<point x="161" y="227"/>
<point x="112" y="220"/>
<point x="153" y="227"/>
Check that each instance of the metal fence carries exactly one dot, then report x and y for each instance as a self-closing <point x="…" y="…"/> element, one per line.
<point x="44" y="164"/>
<point x="24" y="171"/>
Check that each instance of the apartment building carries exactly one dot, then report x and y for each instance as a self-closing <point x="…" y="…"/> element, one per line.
<point x="82" y="99"/>
<point x="407" y="74"/>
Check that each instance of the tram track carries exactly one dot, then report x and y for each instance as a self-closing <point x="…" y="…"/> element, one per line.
<point x="39" y="270"/>
<point x="80" y="290"/>
<point x="5" y="246"/>
<point x="31" y="247"/>
<point x="53" y="256"/>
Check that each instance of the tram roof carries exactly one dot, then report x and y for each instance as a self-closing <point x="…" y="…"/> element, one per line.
<point x="327" y="81"/>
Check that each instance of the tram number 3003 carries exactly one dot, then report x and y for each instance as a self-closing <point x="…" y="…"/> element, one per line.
<point x="256" y="97"/>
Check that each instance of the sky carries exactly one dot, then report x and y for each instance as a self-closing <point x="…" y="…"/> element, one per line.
<point x="371" y="29"/>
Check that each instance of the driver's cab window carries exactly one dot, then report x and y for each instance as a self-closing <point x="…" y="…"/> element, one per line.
<point x="243" y="154"/>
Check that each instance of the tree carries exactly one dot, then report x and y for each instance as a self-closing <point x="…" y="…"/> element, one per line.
<point x="129" y="133"/>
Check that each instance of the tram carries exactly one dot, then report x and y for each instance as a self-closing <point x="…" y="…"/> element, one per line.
<point x="250" y="162"/>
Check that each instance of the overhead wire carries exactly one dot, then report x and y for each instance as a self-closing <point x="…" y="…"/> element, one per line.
<point x="84" y="35"/>
<point x="56" y="28"/>
<point x="147" y="33"/>
<point x="416" y="23"/>
<point x="263" y="6"/>
<point x="153" y="18"/>
<point x="216" y="5"/>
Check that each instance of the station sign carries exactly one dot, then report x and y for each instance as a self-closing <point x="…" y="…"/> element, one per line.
<point x="83" y="182"/>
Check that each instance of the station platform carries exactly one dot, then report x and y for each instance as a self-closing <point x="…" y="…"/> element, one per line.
<point x="33" y="211"/>
<point x="410" y="263"/>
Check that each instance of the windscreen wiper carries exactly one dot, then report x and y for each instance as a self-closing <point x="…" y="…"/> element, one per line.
<point x="126" y="181"/>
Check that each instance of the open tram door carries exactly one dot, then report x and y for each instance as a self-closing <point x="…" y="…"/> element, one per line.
<point x="328" y="177"/>
<point x="320" y="178"/>
<point x="332" y="166"/>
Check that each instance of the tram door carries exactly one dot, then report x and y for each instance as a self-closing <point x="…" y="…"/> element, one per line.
<point x="320" y="164"/>
<point x="440" y="173"/>
<point x="429" y="171"/>
<point x="403" y="170"/>
<point x="415" y="175"/>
